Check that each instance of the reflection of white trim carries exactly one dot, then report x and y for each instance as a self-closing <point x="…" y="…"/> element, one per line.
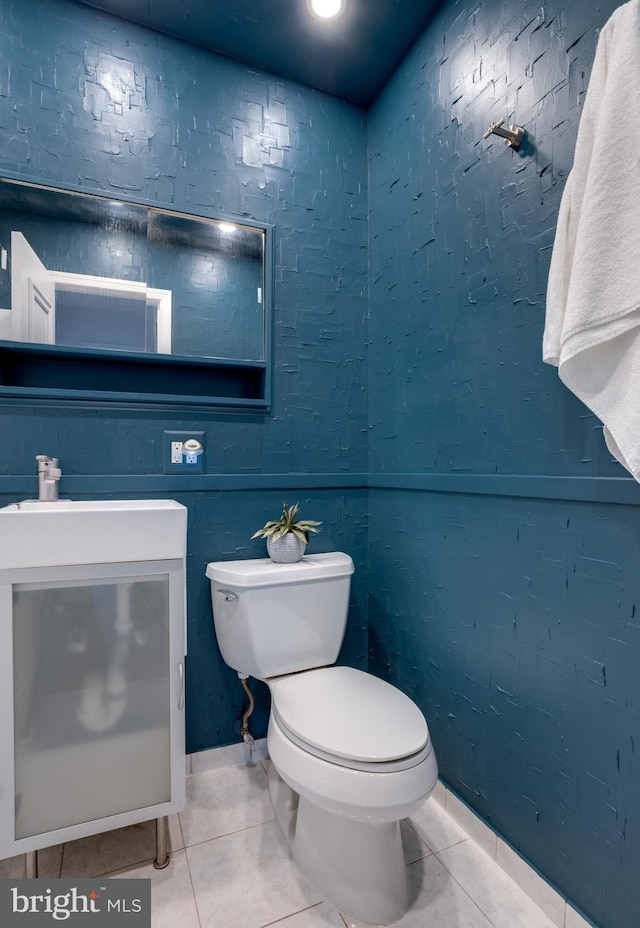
<point x="5" y="325"/>
<point x="88" y="283"/>
<point x="159" y="299"/>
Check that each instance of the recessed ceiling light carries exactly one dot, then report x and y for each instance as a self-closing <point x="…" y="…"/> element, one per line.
<point x="326" y="9"/>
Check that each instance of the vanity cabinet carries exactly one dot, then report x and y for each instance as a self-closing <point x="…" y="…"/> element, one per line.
<point x="91" y="699"/>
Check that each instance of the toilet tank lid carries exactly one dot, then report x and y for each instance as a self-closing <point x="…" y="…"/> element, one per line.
<point x="261" y="572"/>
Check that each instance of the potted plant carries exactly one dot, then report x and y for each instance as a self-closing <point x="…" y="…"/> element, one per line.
<point x="286" y="538"/>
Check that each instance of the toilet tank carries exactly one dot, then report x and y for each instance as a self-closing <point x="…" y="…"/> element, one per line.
<point x="272" y="619"/>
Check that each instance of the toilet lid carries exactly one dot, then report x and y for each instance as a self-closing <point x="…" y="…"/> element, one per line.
<point x="346" y="713"/>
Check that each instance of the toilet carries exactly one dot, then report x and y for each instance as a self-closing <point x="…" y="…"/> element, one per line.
<point x="350" y="754"/>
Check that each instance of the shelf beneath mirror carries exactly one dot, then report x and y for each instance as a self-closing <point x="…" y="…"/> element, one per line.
<point x="51" y="372"/>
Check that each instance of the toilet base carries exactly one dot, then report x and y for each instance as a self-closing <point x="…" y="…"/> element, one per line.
<point x="357" y="866"/>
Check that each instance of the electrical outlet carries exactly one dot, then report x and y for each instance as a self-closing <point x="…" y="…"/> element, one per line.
<point x="183" y="453"/>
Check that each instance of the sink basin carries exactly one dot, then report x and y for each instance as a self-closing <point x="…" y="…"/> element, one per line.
<point x="35" y="534"/>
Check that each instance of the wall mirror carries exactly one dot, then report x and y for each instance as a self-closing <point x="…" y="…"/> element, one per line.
<point x="170" y="306"/>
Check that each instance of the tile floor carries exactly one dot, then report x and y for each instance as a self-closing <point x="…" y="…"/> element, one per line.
<point x="229" y="867"/>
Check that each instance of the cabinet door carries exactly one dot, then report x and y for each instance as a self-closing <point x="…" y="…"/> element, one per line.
<point x="97" y="733"/>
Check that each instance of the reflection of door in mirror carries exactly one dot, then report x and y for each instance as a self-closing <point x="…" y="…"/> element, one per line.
<point x="84" y="311"/>
<point x="105" y="312"/>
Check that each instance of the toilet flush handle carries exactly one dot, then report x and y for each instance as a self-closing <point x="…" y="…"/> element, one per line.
<point x="229" y="595"/>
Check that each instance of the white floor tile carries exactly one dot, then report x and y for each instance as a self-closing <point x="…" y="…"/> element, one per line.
<point x="247" y="879"/>
<point x="322" y="915"/>
<point x="437" y="901"/>
<point x="435" y="827"/>
<point x="49" y="862"/>
<point x="223" y="801"/>
<point x="172" y="898"/>
<point x="495" y="893"/>
<point x="230" y="867"/>
<point x="414" y="848"/>
<point x="113" y="850"/>
<point x="12" y="868"/>
<point x="176" y="841"/>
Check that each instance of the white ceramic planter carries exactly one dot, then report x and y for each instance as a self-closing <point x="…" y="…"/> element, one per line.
<point x="285" y="550"/>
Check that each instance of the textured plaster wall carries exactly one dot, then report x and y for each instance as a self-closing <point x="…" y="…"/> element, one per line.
<point x="512" y="620"/>
<point x="91" y="100"/>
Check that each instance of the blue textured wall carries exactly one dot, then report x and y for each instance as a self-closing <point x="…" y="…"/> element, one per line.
<point x="510" y="617"/>
<point x="512" y="620"/>
<point x="88" y="99"/>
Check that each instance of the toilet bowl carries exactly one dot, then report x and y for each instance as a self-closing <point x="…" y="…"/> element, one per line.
<point x="350" y="754"/>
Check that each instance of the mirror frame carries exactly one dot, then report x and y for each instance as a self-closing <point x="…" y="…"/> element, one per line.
<point x="63" y="376"/>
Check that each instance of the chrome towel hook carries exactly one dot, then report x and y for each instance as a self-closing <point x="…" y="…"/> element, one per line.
<point x="514" y="135"/>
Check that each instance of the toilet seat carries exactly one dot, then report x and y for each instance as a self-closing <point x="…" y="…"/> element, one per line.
<point x="350" y="718"/>
<point x="369" y="767"/>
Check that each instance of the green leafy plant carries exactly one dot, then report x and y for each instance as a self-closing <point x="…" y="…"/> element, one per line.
<point x="279" y="527"/>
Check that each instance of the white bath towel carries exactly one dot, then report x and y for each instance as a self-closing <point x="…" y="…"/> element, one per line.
<point x="592" y="329"/>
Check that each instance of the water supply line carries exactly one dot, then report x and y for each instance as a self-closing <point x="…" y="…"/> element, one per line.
<point x="247" y="737"/>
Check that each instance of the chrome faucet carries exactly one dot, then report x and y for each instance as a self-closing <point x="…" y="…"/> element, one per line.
<point x="48" y="476"/>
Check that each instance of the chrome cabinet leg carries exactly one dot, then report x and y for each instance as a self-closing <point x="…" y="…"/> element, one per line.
<point x="162" y="852"/>
<point x="31" y="865"/>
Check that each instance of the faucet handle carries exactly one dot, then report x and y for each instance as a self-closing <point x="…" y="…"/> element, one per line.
<point x="48" y="466"/>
